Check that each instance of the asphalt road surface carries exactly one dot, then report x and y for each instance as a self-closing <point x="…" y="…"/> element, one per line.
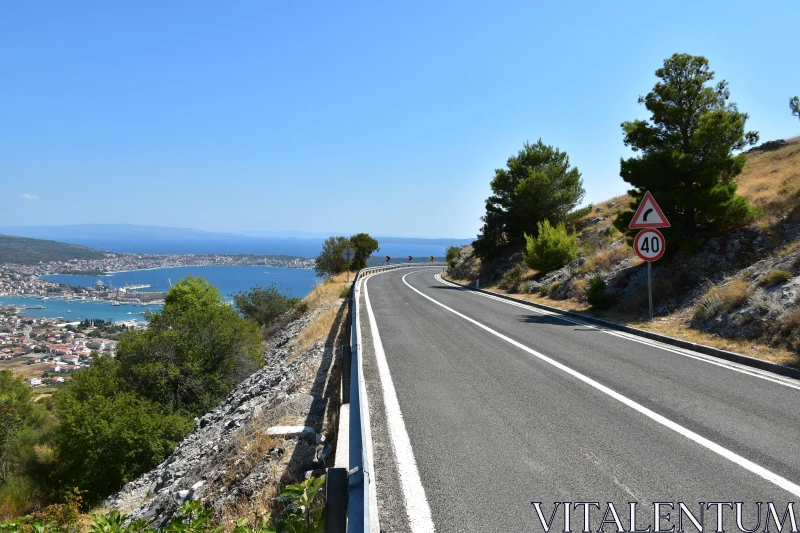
<point x="480" y="407"/>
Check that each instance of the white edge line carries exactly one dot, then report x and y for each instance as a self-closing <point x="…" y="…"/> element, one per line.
<point x="730" y="365"/>
<point x="367" y="462"/>
<point x="417" y="508"/>
<point x="758" y="470"/>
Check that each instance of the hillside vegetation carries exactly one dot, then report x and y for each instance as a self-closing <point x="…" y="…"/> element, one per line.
<point x="739" y="291"/>
<point x="25" y="251"/>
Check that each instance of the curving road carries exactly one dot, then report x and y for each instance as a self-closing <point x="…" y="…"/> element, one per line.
<point x="480" y="407"/>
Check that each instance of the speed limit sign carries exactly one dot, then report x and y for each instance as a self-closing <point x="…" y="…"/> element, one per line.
<point x="649" y="244"/>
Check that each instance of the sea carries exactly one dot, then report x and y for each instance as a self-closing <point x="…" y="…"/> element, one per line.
<point x="229" y="280"/>
<point x="258" y="246"/>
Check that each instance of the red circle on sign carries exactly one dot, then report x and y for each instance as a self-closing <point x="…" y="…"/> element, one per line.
<point x="649" y="234"/>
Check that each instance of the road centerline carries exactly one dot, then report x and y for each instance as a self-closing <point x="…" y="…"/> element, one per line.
<point x="745" y="463"/>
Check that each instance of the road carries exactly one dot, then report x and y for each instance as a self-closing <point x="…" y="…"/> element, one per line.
<point x="480" y="407"/>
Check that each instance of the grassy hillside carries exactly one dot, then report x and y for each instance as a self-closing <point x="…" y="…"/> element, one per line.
<point x="24" y="251"/>
<point x="740" y="292"/>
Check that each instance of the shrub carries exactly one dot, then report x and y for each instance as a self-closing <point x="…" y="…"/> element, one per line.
<point x="551" y="249"/>
<point x="263" y="304"/>
<point x="452" y="256"/>
<point x="775" y="277"/>
<point x="722" y="299"/>
<point x="512" y="279"/>
<point x="597" y="292"/>
<point x="791" y="320"/>
<point x="344" y="292"/>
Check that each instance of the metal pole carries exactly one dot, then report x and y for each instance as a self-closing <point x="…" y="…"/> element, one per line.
<point x="650" y="289"/>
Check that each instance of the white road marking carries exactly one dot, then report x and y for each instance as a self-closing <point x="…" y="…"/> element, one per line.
<point x="417" y="508"/>
<point x="689" y="434"/>
<point x="730" y="365"/>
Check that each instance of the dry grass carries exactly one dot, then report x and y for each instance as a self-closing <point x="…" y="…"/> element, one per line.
<point x="775" y="277"/>
<point x="252" y="446"/>
<point x="317" y="331"/>
<point x="326" y="292"/>
<point x="771" y="181"/>
<point x="724" y="298"/>
<point x="606" y="259"/>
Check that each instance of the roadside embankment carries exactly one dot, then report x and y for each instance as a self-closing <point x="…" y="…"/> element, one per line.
<point x="273" y="429"/>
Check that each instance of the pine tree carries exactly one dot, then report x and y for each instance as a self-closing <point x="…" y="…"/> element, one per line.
<point x="687" y="153"/>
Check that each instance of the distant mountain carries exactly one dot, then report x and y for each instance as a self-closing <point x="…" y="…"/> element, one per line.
<point x="25" y="251"/>
<point x="114" y="231"/>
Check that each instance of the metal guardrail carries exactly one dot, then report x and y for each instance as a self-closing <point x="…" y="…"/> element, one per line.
<point x="362" y="505"/>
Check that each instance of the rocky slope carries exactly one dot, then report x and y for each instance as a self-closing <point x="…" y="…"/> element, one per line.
<point x="235" y="460"/>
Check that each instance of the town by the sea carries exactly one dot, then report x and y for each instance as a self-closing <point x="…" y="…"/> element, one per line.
<point x="229" y="280"/>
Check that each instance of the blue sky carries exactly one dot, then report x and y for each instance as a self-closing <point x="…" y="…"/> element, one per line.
<point x="344" y="116"/>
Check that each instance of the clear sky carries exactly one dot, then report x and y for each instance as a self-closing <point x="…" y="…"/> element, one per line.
<point x="387" y="117"/>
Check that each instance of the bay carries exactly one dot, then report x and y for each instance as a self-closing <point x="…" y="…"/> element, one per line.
<point x="228" y="280"/>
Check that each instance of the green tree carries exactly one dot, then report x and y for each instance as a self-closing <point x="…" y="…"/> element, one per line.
<point x="263" y="304"/>
<point x="193" y="351"/>
<point x="551" y="249"/>
<point x="537" y="184"/>
<point x="109" y="436"/>
<point x="451" y="256"/>
<point x="687" y="159"/>
<point x="330" y="261"/>
<point x="363" y="246"/>
<point x="24" y="426"/>
<point x="16" y="408"/>
<point x="794" y="105"/>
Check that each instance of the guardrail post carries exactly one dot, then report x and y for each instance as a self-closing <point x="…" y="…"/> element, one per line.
<point x="336" y="500"/>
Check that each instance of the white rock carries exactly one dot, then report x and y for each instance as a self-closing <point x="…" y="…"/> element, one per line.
<point x="291" y="431"/>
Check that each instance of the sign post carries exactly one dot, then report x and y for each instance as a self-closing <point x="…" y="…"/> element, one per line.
<point x="347" y="255"/>
<point x="649" y="244"/>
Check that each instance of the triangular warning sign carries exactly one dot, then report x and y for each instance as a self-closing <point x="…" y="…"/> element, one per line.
<point x="649" y="215"/>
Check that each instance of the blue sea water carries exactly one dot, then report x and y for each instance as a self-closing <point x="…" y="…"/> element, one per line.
<point x="258" y="246"/>
<point x="228" y="279"/>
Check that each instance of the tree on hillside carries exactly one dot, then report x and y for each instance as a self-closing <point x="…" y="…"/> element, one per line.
<point x="110" y="435"/>
<point x="794" y="105"/>
<point x="537" y="184"/>
<point x="263" y="304"/>
<point x="363" y="246"/>
<point x="686" y="148"/>
<point x="193" y="351"/>
<point x="25" y="431"/>
<point x="330" y="261"/>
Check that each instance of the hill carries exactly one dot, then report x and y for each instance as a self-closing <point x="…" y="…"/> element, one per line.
<point x="25" y="251"/>
<point x="740" y="291"/>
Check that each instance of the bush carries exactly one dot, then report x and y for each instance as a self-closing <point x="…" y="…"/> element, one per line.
<point x="551" y="249"/>
<point x="597" y="292"/>
<point x="512" y="279"/>
<point x="452" y="256"/>
<point x="263" y="304"/>
<point x="776" y="277"/>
